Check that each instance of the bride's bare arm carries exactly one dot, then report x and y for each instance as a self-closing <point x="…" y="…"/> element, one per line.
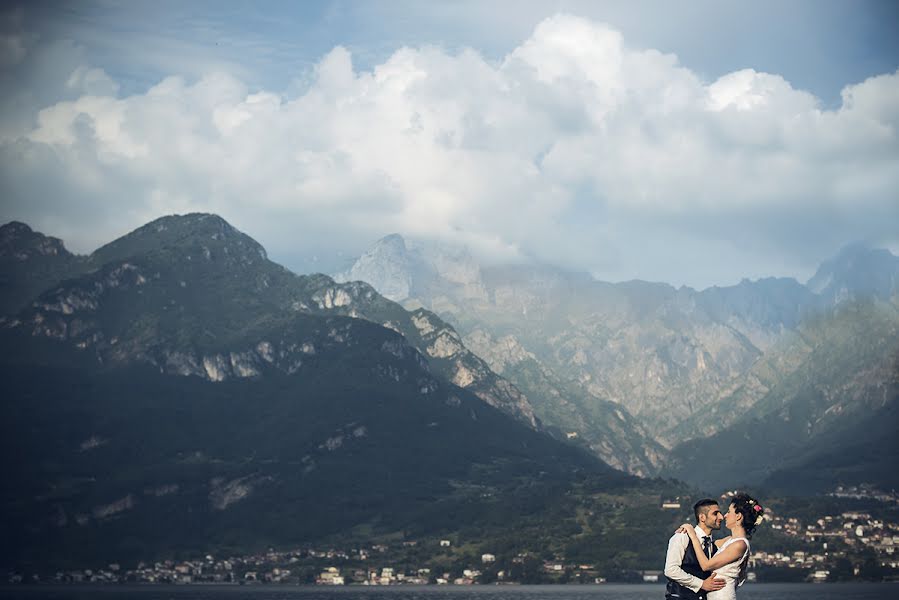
<point x="724" y="557"/>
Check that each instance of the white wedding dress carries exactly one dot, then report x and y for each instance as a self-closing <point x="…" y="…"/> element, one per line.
<point x="734" y="574"/>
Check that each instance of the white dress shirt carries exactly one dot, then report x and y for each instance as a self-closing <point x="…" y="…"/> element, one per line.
<point x="677" y="545"/>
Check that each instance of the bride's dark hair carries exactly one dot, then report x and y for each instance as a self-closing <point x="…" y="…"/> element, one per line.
<point x="752" y="511"/>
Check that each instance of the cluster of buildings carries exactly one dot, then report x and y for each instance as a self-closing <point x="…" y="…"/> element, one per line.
<point x="300" y="567"/>
<point x="825" y="541"/>
<point x="865" y="492"/>
<point x="383" y="576"/>
<point x="295" y="566"/>
<point x="828" y="538"/>
<point x="395" y="576"/>
<point x="269" y="567"/>
<point x="845" y="535"/>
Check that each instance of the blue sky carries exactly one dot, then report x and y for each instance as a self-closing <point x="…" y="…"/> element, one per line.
<point x="696" y="143"/>
<point x="818" y="45"/>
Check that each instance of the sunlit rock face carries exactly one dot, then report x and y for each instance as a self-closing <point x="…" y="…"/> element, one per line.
<point x="387" y="266"/>
<point x="402" y="270"/>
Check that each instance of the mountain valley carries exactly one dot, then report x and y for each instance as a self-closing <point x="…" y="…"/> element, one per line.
<point x="641" y="372"/>
<point x="178" y="391"/>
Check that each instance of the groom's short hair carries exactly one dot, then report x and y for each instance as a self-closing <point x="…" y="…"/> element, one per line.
<point x="699" y="506"/>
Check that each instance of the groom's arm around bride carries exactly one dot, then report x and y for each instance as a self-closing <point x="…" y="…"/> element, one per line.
<point x="686" y="579"/>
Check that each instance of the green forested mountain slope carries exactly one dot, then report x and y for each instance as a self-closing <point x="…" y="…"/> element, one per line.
<point x="128" y="463"/>
<point x="189" y="394"/>
<point x="182" y="285"/>
<point x="29" y="263"/>
<point x="825" y="419"/>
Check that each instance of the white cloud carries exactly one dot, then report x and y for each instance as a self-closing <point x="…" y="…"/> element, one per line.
<point x="92" y="82"/>
<point x="574" y="148"/>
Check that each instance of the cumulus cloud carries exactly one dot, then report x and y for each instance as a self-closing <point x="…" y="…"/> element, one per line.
<point x="574" y="149"/>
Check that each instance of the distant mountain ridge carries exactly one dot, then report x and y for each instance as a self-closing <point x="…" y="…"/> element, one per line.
<point x="426" y="271"/>
<point x="252" y="285"/>
<point x="857" y="272"/>
<point x="667" y="359"/>
<point x="828" y="416"/>
<point x="637" y="373"/>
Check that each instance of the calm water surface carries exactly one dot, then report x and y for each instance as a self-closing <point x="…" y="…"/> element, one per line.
<point x="757" y="591"/>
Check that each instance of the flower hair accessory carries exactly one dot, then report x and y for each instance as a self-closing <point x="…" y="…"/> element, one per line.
<point x="757" y="508"/>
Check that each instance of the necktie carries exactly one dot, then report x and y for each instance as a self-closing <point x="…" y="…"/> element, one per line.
<point x="707" y="546"/>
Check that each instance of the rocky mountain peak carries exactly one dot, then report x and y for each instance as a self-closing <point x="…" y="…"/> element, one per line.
<point x="14" y="229"/>
<point x="454" y="265"/>
<point x="18" y="241"/>
<point x="404" y="271"/>
<point x="386" y="266"/>
<point x="393" y="242"/>
<point x="205" y="235"/>
<point x="857" y="271"/>
<point x="29" y="262"/>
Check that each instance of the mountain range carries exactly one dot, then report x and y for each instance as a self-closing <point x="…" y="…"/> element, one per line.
<point x="646" y="374"/>
<point x="177" y="391"/>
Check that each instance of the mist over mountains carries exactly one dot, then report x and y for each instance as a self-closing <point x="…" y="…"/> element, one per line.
<point x="670" y="365"/>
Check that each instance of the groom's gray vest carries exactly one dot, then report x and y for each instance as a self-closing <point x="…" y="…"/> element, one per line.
<point x="690" y="564"/>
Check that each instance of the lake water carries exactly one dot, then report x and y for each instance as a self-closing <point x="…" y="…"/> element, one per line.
<point x="755" y="591"/>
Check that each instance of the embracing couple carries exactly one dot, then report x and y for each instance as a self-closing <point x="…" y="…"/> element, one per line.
<point x="698" y="567"/>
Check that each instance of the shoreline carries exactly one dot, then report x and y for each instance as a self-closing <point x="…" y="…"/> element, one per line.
<point x="312" y="586"/>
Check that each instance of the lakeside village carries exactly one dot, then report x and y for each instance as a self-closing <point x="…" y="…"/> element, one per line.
<point x="851" y="545"/>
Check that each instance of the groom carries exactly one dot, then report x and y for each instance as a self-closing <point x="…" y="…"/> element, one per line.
<point x="686" y="579"/>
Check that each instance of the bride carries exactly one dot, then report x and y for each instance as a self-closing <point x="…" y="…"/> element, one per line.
<point x="730" y="561"/>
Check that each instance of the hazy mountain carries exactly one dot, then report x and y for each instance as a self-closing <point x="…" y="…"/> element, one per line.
<point x="491" y="312"/>
<point x="185" y="393"/>
<point x="388" y="267"/>
<point x="433" y="273"/>
<point x="649" y="348"/>
<point x="857" y="272"/>
<point x="827" y="413"/>
<point x="631" y="364"/>
<point x="761" y="310"/>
